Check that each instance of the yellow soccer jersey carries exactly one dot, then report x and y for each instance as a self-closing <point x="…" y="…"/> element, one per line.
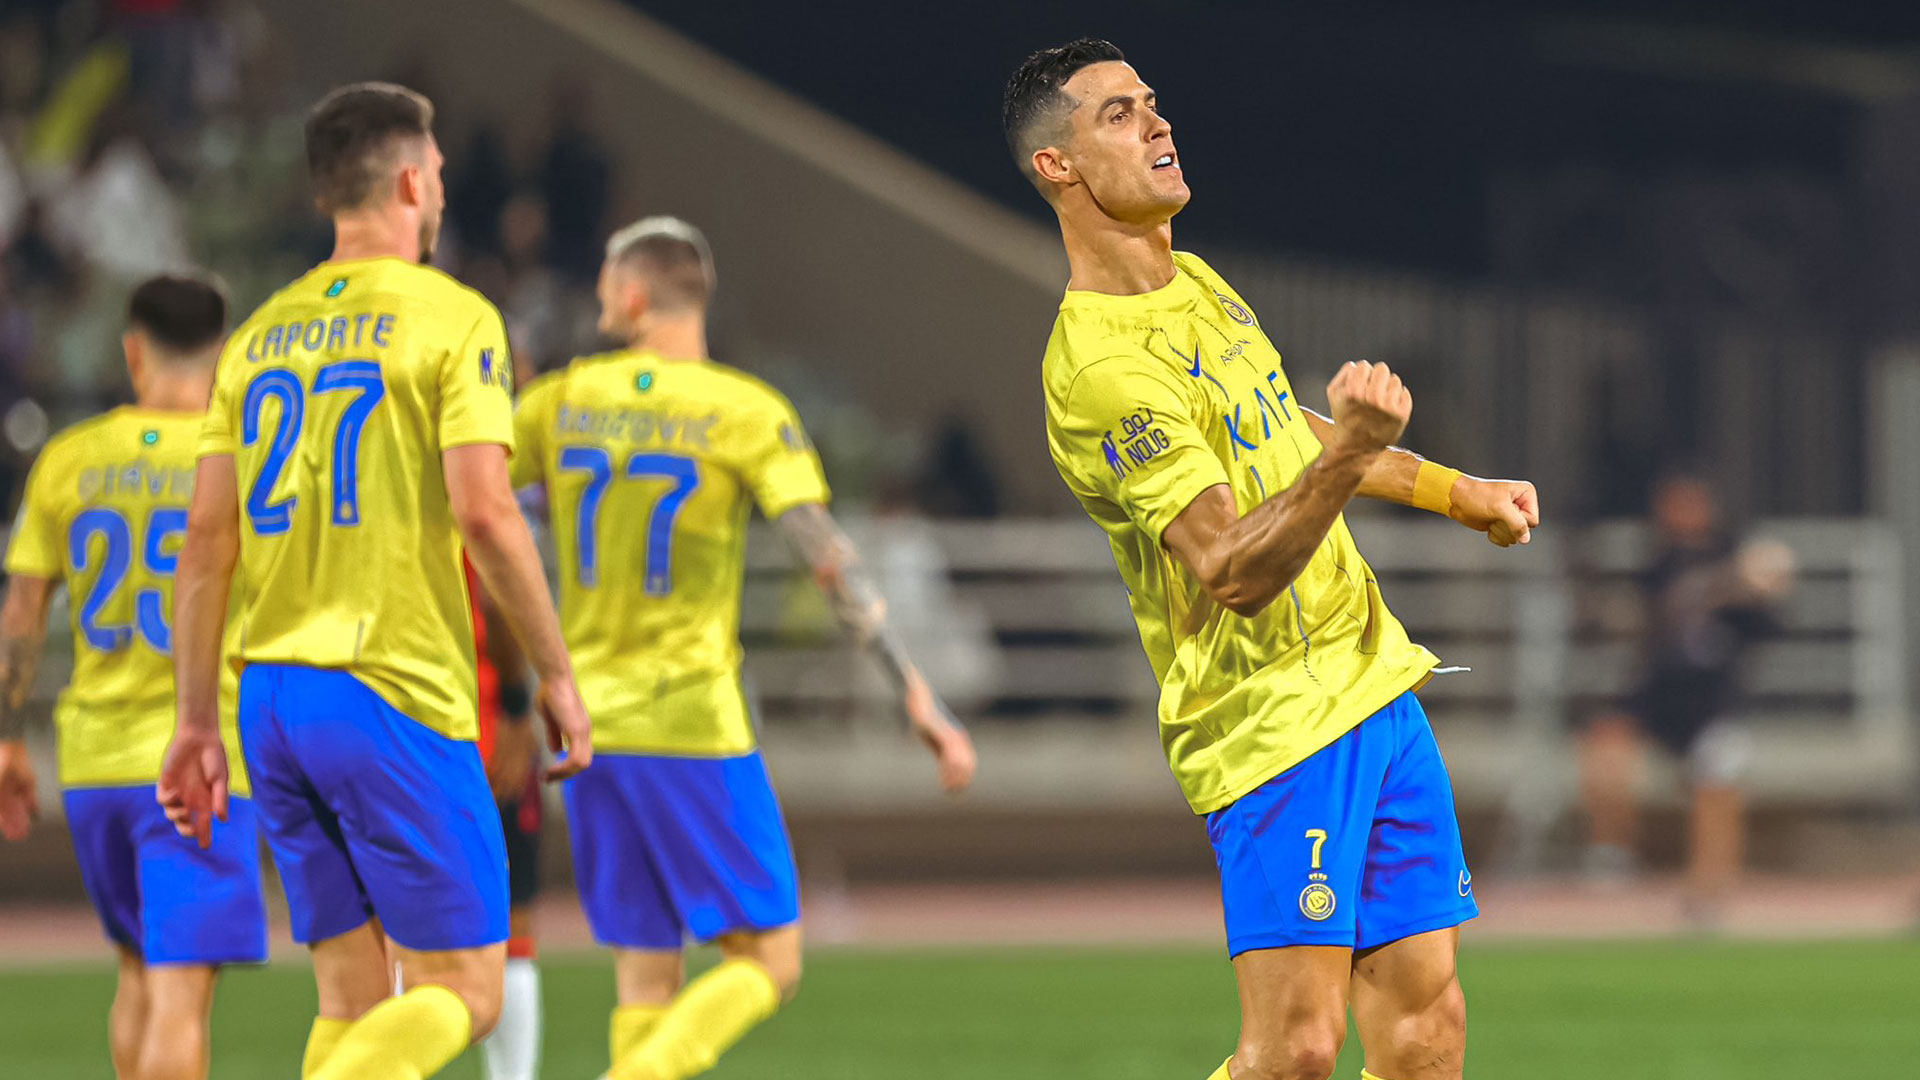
<point x="105" y="513"/>
<point x="1152" y="399"/>
<point x="336" y="399"/>
<point x="650" y="467"/>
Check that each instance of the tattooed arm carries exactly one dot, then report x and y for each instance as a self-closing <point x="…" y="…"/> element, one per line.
<point x="817" y="540"/>
<point x="23" y="630"/>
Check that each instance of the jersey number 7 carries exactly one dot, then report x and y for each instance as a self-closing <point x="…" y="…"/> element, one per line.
<point x="597" y="463"/>
<point x="359" y="377"/>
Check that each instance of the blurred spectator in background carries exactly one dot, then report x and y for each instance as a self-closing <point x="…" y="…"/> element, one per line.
<point x="958" y="480"/>
<point x="1706" y="603"/>
<point x="229" y="43"/>
<point x="13" y="195"/>
<point x="114" y="210"/>
<point x="951" y="640"/>
<point x="160" y="54"/>
<point x="537" y="304"/>
<point x="478" y="191"/>
<point x="576" y="176"/>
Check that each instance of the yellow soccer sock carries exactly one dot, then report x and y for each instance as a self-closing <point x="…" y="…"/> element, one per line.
<point x="1221" y="1073"/>
<point x="630" y="1027"/>
<point x="409" y="1037"/>
<point x="320" y="1043"/>
<point x="706" y="1018"/>
<point x="1365" y="1075"/>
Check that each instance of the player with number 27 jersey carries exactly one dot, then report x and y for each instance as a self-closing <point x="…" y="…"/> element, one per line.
<point x="336" y="400"/>
<point x="349" y="558"/>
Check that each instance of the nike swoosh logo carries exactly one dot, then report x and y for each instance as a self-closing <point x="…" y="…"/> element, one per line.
<point x="1194" y="360"/>
<point x="1466" y="883"/>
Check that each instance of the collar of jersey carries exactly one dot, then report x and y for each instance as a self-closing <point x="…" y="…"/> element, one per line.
<point x="1177" y="293"/>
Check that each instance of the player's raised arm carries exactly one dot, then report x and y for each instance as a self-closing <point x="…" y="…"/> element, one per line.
<point x="23" y="630"/>
<point x="1245" y="563"/>
<point x="819" y="543"/>
<point x="193" y="778"/>
<point x="502" y="550"/>
<point x="1506" y="510"/>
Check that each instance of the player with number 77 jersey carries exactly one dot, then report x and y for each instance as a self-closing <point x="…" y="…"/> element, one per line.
<point x="651" y="459"/>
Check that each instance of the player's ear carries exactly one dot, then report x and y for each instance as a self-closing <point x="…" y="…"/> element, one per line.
<point x="635" y="295"/>
<point x="1050" y="164"/>
<point x="412" y="184"/>
<point x="136" y="349"/>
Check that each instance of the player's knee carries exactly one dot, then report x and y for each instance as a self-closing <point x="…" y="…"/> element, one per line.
<point x="785" y="971"/>
<point x="1445" y="1022"/>
<point x="173" y="1049"/>
<point x="483" y="1009"/>
<point x="777" y="953"/>
<point x="481" y="993"/>
<point x="1306" y="1051"/>
<point x="1434" y="1034"/>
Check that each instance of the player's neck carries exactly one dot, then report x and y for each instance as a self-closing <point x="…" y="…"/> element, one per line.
<point x="372" y="236"/>
<point x="174" y="393"/>
<point x="1117" y="258"/>
<point x="672" y="337"/>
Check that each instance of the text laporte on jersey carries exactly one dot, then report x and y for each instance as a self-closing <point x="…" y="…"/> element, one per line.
<point x="329" y="334"/>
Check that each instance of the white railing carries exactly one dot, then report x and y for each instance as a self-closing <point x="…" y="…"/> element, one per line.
<point x="1061" y="699"/>
<point x="1550" y="632"/>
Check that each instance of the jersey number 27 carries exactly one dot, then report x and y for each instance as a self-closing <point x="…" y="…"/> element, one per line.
<point x="360" y="378"/>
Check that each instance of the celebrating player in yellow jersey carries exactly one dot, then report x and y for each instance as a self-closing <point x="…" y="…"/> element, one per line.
<point x="651" y="458"/>
<point x="359" y="432"/>
<point x="104" y="512"/>
<point x="1286" y="703"/>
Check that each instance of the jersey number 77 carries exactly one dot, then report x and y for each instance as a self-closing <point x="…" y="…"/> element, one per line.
<point x="597" y="463"/>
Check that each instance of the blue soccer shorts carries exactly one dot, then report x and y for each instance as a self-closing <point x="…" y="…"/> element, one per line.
<point x="371" y="813"/>
<point x="158" y="893"/>
<point x="672" y="850"/>
<point x="1357" y="846"/>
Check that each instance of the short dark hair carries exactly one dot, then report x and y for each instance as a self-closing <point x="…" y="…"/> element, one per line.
<point x="351" y="135"/>
<point x="1032" y="101"/>
<point x="672" y="255"/>
<point x="181" y="313"/>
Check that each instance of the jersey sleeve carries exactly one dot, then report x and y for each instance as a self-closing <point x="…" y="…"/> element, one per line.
<point x="217" y="434"/>
<point x="1131" y="434"/>
<point x="34" y="549"/>
<point x="476" y="386"/>
<point x="778" y="460"/>
<point x="531" y="416"/>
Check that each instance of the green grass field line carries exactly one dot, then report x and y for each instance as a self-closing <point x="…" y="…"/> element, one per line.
<point x="1649" y="1011"/>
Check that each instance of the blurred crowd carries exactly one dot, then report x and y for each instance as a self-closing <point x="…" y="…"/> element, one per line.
<point x="143" y="135"/>
<point x="121" y="123"/>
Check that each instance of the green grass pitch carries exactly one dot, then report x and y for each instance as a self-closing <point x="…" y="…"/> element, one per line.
<point x="1651" y="1011"/>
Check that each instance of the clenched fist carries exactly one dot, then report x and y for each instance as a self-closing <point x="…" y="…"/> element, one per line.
<point x="1370" y="406"/>
<point x="1506" y="510"/>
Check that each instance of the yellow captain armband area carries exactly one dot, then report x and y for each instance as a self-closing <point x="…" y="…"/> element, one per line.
<point x="1433" y="487"/>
